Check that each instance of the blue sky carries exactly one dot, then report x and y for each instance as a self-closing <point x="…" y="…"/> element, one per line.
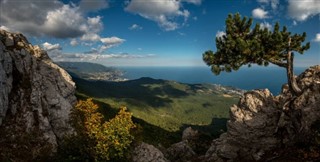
<point x="149" y="32"/>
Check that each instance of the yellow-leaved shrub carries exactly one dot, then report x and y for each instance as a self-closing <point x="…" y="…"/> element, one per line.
<point x="97" y="139"/>
<point x="115" y="135"/>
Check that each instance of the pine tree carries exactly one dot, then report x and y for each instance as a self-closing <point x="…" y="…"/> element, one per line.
<point x="242" y="45"/>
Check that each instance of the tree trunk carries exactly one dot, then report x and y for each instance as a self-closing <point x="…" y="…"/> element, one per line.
<point x="294" y="88"/>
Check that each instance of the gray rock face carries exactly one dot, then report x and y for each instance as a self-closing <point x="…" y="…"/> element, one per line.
<point x="147" y="153"/>
<point x="261" y="122"/>
<point x="190" y="134"/>
<point x="251" y="128"/>
<point x="35" y="93"/>
<point x="180" y="152"/>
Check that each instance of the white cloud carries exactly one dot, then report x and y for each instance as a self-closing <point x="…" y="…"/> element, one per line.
<point x="50" y="18"/>
<point x="185" y="14"/>
<point x="166" y="24"/>
<point x="49" y="47"/>
<point x="90" y="37"/>
<point x="73" y="42"/>
<point x="93" y="27"/>
<point x="135" y="27"/>
<point x="266" y="25"/>
<point x="59" y="20"/>
<point x="303" y="9"/>
<point x="220" y="34"/>
<point x="274" y="3"/>
<point x="259" y="13"/>
<point x="86" y="44"/>
<point x="26" y="16"/>
<point x="110" y="42"/>
<point x="165" y="12"/>
<point x="93" y="5"/>
<point x="5" y="28"/>
<point x="94" y="24"/>
<point x="64" y="22"/>
<point x="153" y="7"/>
<point x="317" y="38"/>
<point x="53" y="50"/>
<point x="294" y="23"/>
<point x="196" y="2"/>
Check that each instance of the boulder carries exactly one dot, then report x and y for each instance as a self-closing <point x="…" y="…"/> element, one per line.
<point x="190" y="134"/>
<point x="180" y="152"/>
<point x="144" y="152"/>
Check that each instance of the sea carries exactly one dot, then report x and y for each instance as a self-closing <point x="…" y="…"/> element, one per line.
<point x="271" y="78"/>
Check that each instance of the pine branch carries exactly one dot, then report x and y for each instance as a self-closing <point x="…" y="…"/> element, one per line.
<point x="277" y="62"/>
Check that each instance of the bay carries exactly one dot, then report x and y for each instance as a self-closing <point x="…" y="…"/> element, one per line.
<point x="271" y="78"/>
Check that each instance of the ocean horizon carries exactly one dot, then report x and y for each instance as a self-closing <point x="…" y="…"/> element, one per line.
<point x="271" y="78"/>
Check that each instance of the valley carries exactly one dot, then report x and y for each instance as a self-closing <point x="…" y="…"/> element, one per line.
<point x="162" y="105"/>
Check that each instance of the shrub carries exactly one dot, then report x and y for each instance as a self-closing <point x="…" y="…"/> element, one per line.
<point x="97" y="139"/>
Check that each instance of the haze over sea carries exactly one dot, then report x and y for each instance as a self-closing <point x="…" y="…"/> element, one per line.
<point x="245" y="78"/>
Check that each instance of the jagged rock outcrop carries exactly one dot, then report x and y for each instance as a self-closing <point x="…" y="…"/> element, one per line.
<point x="261" y="122"/>
<point x="35" y="94"/>
<point x="147" y="153"/>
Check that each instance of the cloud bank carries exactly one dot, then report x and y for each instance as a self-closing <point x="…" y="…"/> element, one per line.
<point x="52" y="18"/>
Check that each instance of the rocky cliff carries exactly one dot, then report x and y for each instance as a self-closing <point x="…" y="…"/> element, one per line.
<point x="261" y="122"/>
<point x="36" y="95"/>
